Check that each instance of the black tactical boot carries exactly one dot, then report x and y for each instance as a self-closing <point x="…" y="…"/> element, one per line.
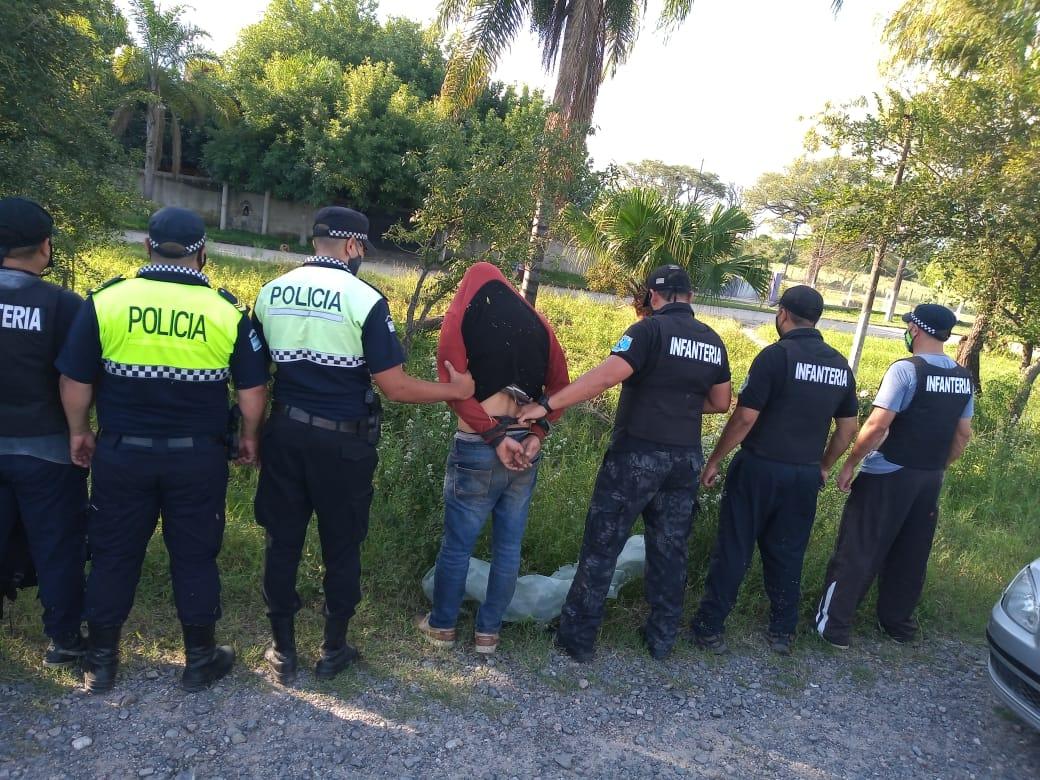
<point x="336" y="654"/>
<point x="67" y="650"/>
<point x="102" y="658"/>
<point x="204" y="662"/>
<point x="281" y="653"/>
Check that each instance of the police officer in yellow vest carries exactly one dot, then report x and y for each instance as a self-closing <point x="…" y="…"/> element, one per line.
<point x="158" y="350"/>
<point x="329" y="335"/>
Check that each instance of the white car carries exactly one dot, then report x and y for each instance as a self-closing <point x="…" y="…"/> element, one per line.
<point x="1014" y="645"/>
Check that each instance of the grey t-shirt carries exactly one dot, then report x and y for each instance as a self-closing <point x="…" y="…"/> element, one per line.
<point x="896" y="391"/>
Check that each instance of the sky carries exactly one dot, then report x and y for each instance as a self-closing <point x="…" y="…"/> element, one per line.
<point x="735" y="87"/>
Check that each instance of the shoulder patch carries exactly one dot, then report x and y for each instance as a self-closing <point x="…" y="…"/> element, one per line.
<point x="230" y="298"/>
<point x="622" y="345"/>
<point x="105" y="285"/>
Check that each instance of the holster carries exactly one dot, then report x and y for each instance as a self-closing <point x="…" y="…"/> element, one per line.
<point x="374" y="423"/>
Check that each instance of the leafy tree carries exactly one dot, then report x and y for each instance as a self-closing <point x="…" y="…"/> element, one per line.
<point x="55" y="145"/>
<point x="587" y="39"/>
<point x="983" y="93"/>
<point x="166" y="68"/>
<point x="482" y="177"/>
<point x="678" y="182"/>
<point x="630" y="232"/>
<point x="347" y="32"/>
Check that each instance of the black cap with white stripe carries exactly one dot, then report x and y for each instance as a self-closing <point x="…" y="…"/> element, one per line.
<point x="935" y="320"/>
<point x="174" y="232"/>
<point x="341" y="222"/>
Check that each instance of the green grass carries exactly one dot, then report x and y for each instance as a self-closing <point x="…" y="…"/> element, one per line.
<point x="988" y="529"/>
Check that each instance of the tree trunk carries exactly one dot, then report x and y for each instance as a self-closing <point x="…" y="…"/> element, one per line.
<point x="536" y="255"/>
<point x="900" y="272"/>
<point x="151" y="122"/>
<point x="1027" y="355"/>
<point x="175" y="145"/>
<point x="970" y="347"/>
<point x="577" y="87"/>
<point x="1025" y="388"/>
<point x="879" y="256"/>
<point x="160" y="138"/>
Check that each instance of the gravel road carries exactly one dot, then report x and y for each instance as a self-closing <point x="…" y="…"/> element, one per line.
<point x="878" y="710"/>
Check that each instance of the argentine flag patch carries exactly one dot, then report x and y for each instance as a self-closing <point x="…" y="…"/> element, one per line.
<point x="623" y="344"/>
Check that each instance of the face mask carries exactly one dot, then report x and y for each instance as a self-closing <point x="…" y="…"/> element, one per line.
<point x="354" y="264"/>
<point x="776" y="323"/>
<point x="908" y="339"/>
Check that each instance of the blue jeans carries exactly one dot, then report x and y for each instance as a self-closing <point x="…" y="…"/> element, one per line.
<point x="476" y="484"/>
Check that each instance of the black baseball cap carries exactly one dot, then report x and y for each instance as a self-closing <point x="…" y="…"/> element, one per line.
<point x="803" y="301"/>
<point x="935" y="320"/>
<point x="174" y="232"/>
<point x="23" y="223"/>
<point x="669" y="277"/>
<point x="341" y="222"/>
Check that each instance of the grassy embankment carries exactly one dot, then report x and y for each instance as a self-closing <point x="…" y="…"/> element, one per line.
<point x="988" y="528"/>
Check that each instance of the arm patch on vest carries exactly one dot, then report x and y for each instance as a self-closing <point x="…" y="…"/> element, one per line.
<point x="230" y="298"/>
<point x="105" y="285"/>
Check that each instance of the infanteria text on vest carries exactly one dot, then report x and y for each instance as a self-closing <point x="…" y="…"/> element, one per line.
<point x="664" y="404"/>
<point x="793" y="426"/>
<point x="29" y="403"/>
<point x="921" y="435"/>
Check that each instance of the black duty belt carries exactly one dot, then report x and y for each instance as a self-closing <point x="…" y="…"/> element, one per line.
<point x="161" y="443"/>
<point x="340" y="426"/>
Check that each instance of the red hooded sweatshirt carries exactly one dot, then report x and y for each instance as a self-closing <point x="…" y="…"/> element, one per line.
<point x="490" y="330"/>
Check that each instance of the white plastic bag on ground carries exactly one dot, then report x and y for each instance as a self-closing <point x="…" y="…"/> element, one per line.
<point x="538" y="597"/>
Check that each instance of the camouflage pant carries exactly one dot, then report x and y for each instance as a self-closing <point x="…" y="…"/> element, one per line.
<point x="663" y="487"/>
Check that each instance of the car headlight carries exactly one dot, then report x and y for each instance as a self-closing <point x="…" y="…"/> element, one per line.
<point x="1021" y="601"/>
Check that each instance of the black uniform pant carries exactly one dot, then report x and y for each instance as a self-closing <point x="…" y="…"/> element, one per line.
<point x="50" y="499"/>
<point x="132" y="487"/>
<point x="886" y="531"/>
<point x="772" y="504"/>
<point x="663" y="487"/>
<point x="307" y="469"/>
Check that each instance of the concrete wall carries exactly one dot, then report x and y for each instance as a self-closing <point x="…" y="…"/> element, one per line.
<point x="245" y="212"/>
<point x="245" y="209"/>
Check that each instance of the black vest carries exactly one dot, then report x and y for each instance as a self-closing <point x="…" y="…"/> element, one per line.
<point x="664" y="403"/>
<point x="794" y="424"/>
<point x="921" y="435"/>
<point x="29" y="345"/>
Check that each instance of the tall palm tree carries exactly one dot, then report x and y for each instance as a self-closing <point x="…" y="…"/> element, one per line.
<point x="167" y="70"/>
<point x="635" y="230"/>
<point x="588" y="39"/>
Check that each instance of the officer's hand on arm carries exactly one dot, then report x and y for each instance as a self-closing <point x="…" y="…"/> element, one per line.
<point x="462" y="383"/>
<point x="76" y="398"/>
<point x="612" y="371"/>
<point x="399" y="386"/>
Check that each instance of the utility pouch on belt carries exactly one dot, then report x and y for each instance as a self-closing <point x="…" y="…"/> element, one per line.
<point x="374" y="423"/>
<point x="234" y="427"/>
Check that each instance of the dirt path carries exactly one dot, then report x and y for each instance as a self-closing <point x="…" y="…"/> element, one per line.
<point x="878" y="710"/>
